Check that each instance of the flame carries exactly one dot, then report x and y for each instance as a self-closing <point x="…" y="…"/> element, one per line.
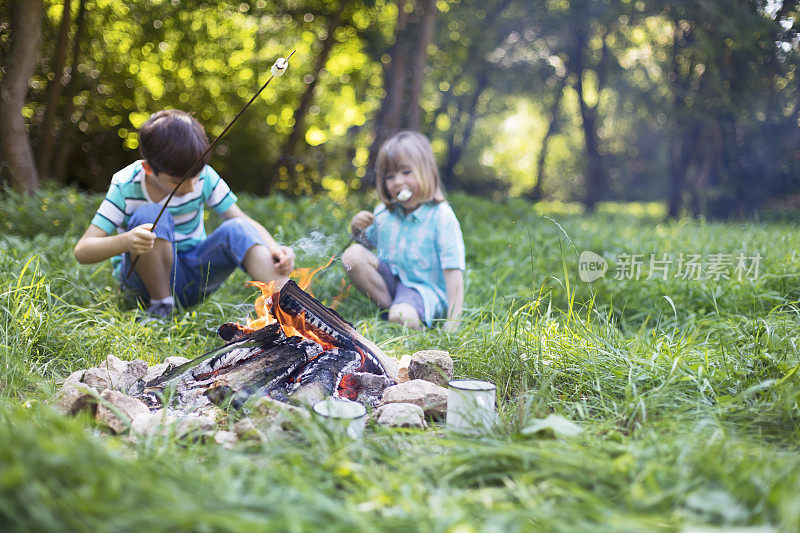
<point x="348" y="388"/>
<point x="343" y="290"/>
<point x="269" y="311"/>
<point x="262" y="305"/>
<point x="305" y="275"/>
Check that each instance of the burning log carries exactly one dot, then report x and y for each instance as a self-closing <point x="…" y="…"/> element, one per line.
<point x="297" y="351"/>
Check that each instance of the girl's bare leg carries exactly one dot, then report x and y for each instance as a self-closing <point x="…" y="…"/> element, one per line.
<point x="406" y="315"/>
<point x="362" y="268"/>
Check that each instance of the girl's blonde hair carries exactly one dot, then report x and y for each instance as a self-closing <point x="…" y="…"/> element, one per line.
<point x="411" y="149"/>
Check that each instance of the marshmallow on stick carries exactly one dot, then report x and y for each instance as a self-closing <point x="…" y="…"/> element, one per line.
<point x="279" y="67"/>
<point x="404" y="195"/>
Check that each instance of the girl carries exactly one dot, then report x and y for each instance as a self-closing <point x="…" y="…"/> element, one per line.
<point x="418" y="272"/>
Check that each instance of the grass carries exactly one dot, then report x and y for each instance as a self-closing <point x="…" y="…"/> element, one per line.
<point x="686" y="389"/>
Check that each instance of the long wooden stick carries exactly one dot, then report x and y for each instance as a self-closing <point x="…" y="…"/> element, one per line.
<point x="199" y="159"/>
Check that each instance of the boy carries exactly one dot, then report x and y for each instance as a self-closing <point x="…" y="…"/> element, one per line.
<point x="178" y="261"/>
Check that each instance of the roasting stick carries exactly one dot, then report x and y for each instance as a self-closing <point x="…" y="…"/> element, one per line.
<point x="277" y="70"/>
<point x="402" y="196"/>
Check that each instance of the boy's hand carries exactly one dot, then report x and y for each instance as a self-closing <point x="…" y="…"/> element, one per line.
<point x="361" y="221"/>
<point x="140" y="239"/>
<point x="283" y="259"/>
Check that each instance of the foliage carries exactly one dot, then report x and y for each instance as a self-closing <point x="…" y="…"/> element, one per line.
<point x="686" y="389"/>
<point x="691" y="102"/>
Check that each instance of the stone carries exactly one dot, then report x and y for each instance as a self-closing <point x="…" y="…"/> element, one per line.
<point x="370" y="387"/>
<point x="407" y="415"/>
<point x="435" y="366"/>
<point x="267" y="408"/>
<point x="154" y="372"/>
<point x="213" y="412"/>
<point x="135" y="371"/>
<point x="431" y="397"/>
<point x="118" y="410"/>
<point x="113" y="365"/>
<point x="402" y="373"/>
<point x="226" y="439"/>
<point x="114" y="373"/>
<point x="245" y="429"/>
<point x="75" y="396"/>
<point x="270" y="416"/>
<point x="176" y="360"/>
<point x="157" y="423"/>
<point x="75" y="377"/>
<point x="195" y="427"/>
<point x="98" y="379"/>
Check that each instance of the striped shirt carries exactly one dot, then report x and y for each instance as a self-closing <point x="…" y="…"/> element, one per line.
<point x="128" y="193"/>
<point x="418" y="247"/>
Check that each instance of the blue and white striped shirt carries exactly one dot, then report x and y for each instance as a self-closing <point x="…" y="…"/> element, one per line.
<point x="419" y="247"/>
<point x="128" y="192"/>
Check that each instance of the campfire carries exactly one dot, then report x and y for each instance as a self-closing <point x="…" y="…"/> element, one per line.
<point x="295" y="351"/>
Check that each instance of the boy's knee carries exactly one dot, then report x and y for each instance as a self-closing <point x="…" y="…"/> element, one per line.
<point x="231" y="227"/>
<point x="406" y="315"/>
<point x="237" y="230"/>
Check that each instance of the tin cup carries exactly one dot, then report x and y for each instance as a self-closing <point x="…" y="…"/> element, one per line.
<point x="470" y="406"/>
<point x="342" y="415"/>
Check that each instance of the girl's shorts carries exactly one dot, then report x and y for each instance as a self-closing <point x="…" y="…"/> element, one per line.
<point x="401" y="293"/>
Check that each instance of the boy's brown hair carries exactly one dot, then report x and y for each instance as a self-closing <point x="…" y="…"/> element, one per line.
<point x="171" y="141"/>
<point x="411" y="149"/>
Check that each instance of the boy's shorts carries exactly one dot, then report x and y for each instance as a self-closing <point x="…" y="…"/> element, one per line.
<point x="196" y="272"/>
<point x="401" y="293"/>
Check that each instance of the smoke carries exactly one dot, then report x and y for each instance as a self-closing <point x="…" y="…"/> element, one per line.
<point x="316" y="244"/>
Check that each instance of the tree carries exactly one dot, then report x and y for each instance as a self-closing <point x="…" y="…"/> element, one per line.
<point x="403" y="77"/>
<point x="297" y="136"/>
<point x="48" y="132"/>
<point x="552" y="125"/>
<point x="26" y="17"/>
<point x="64" y="136"/>
<point x="725" y="68"/>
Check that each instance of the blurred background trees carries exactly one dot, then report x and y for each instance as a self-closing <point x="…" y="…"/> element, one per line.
<point x="695" y="104"/>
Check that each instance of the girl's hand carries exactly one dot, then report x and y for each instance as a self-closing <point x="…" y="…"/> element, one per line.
<point x="361" y="221"/>
<point x="140" y="239"/>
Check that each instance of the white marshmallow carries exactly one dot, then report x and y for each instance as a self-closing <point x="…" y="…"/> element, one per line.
<point x="404" y="195"/>
<point x="279" y="67"/>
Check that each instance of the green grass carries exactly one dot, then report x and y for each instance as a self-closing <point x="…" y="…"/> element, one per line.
<point x="687" y="389"/>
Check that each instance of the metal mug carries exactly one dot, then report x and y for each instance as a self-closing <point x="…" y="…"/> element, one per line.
<point x="342" y="415"/>
<point x="470" y="406"/>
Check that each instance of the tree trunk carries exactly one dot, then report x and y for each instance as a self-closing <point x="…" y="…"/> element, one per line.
<point x="536" y="193"/>
<point x="387" y="121"/>
<point x="679" y="160"/>
<point x="455" y="148"/>
<point x="595" y="174"/>
<point x="55" y="86"/>
<point x="26" y="19"/>
<point x="426" y="27"/>
<point x="297" y="135"/>
<point x="595" y="179"/>
<point x="62" y="152"/>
